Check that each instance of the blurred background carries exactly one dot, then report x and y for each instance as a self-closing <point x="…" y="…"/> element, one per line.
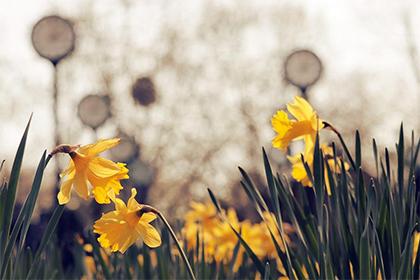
<point x="191" y="85"/>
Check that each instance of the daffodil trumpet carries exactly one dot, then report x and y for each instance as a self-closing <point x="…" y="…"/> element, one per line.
<point x="121" y="228"/>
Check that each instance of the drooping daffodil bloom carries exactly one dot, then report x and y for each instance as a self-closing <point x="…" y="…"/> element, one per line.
<point x="121" y="228"/>
<point x="90" y="174"/>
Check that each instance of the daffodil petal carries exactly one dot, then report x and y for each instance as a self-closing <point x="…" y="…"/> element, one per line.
<point x="81" y="187"/>
<point x="119" y="204"/>
<point x="149" y="235"/>
<point x="148" y="217"/>
<point x="309" y="145"/>
<point x="132" y="203"/>
<point x="103" y="168"/>
<point x="280" y="122"/>
<point x="100" y="195"/>
<point x="300" y="109"/>
<point x="65" y="191"/>
<point x="99" y="147"/>
<point x="127" y="242"/>
<point x="299" y="172"/>
<point x="68" y="170"/>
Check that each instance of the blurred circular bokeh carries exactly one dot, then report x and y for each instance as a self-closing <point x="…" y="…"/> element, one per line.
<point x="127" y="151"/>
<point x="141" y="173"/>
<point x="143" y="91"/>
<point x="93" y="110"/>
<point x="53" y="38"/>
<point x="303" y="68"/>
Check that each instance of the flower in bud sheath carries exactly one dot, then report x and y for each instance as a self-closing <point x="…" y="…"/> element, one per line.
<point x="121" y="228"/>
<point x="86" y="169"/>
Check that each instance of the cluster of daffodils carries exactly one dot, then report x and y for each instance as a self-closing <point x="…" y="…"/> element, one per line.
<point x="304" y="127"/>
<point x="219" y="241"/>
<point x="91" y="176"/>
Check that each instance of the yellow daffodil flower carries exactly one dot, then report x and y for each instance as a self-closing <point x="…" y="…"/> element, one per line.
<point x="101" y="190"/>
<point x="305" y="125"/>
<point x="270" y="225"/>
<point x="220" y="241"/>
<point x="251" y="234"/>
<point x="299" y="172"/>
<point x="298" y="169"/>
<point x="121" y="228"/>
<point x="153" y="259"/>
<point x="225" y="239"/>
<point x="201" y="220"/>
<point x="86" y="168"/>
<point x="202" y="213"/>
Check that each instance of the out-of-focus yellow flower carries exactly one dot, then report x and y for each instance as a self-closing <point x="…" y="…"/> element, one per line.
<point x="299" y="172"/>
<point x="140" y="260"/>
<point x="298" y="169"/>
<point x="201" y="220"/>
<point x="219" y="240"/>
<point x="225" y="239"/>
<point x="206" y="237"/>
<point x="120" y="228"/>
<point x="89" y="261"/>
<point x="88" y="248"/>
<point x="416" y="242"/>
<point x="270" y="225"/>
<point x="252" y="235"/>
<point x="202" y="213"/>
<point x="90" y="266"/>
<point x="304" y="127"/>
<point x="153" y="259"/>
<point x="86" y="168"/>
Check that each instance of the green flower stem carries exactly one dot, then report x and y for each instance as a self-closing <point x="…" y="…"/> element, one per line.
<point x="346" y="150"/>
<point x="146" y="209"/>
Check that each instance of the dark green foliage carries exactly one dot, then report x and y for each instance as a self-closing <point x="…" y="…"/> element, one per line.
<point x="363" y="229"/>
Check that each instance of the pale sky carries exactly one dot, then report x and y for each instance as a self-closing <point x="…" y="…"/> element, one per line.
<point x="355" y="36"/>
<point x="352" y="38"/>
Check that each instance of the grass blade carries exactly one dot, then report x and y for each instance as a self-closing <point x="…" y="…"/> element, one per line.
<point x="9" y="204"/>
<point x="52" y="224"/>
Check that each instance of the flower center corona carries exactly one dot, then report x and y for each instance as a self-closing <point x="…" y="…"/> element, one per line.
<point x="132" y="218"/>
